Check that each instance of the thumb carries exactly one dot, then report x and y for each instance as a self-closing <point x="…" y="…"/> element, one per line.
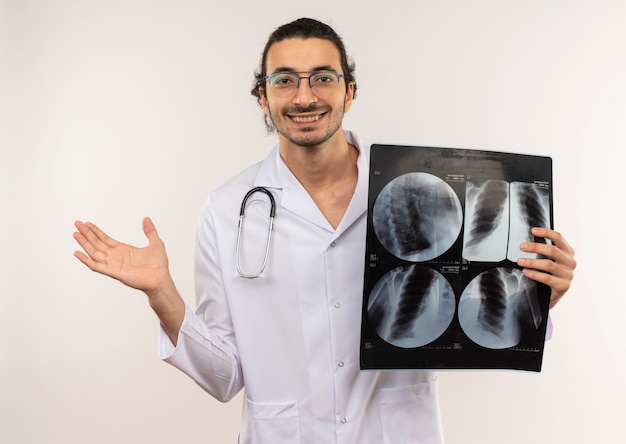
<point x="150" y="230"/>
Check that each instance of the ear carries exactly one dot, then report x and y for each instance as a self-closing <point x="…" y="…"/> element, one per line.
<point x="263" y="100"/>
<point x="349" y="97"/>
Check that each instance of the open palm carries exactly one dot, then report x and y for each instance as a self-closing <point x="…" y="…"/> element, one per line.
<point x="141" y="268"/>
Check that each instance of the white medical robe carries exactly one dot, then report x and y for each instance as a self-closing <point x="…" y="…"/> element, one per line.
<point x="291" y="338"/>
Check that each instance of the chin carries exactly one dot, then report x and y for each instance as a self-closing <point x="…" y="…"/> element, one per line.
<point x="305" y="140"/>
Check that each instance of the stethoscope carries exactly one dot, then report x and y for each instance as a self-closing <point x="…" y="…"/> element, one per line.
<point x="242" y="212"/>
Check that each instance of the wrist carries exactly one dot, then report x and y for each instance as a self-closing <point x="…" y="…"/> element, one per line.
<point x="165" y="298"/>
<point x="169" y="307"/>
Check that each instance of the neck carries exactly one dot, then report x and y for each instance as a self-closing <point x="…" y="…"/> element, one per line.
<point x="322" y="164"/>
<point x="328" y="172"/>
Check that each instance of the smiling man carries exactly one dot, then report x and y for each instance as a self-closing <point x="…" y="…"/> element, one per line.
<point x="307" y="112"/>
<point x="291" y="339"/>
<point x="306" y="98"/>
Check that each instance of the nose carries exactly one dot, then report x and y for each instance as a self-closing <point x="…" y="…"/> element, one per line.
<point x="304" y="93"/>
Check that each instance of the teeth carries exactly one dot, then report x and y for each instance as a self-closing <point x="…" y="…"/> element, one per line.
<point x="306" y="119"/>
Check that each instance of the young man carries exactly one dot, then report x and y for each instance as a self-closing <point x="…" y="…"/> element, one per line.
<point x="292" y="338"/>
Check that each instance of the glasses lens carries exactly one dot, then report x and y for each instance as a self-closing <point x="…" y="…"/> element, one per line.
<point x="283" y="84"/>
<point x="323" y="83"/>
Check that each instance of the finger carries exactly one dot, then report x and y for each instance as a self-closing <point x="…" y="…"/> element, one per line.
<point x="79" y="237"/>
<point x="88" y="236"/>
<point x="555" y="237"/>
<point x="81" y="257"/>
<point x="557" y="277"/>
<point x="101" y="235"/>
<point x="150" y="230"/>
<point x="557" y="285"/>
<point x="540" y="249"/>
<point x="552" y="252"/>
<point x="89" y="262"/>
<point x="547" y="266"/>
<point x="92" y="246"/>
<point x="84" y="242"/>
<point x="553" y="281"/>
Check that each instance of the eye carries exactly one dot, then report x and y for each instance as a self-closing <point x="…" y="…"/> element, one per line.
<point x="324" y="77"/>
<point x="282" y="80"/>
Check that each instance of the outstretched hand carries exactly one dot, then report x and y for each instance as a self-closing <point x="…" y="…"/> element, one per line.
<point x="556" y="269"/>
<point x="144" y="268"/>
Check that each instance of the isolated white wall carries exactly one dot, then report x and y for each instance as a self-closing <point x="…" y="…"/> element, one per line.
<point x="114" y="110"/>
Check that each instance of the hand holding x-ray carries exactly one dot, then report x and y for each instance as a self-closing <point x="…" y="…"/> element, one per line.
<point x="557" y="263"/>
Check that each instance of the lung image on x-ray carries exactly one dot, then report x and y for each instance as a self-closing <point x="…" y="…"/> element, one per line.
<point x="417" y="217"/>
<point x="497" y="306"/>
<point x="486" y="221"/>
<point x="499" y="216"/>
<point x="411" y="306"/>
<point x="530" y="207"/>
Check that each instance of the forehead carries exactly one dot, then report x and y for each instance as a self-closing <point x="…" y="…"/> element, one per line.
<point x="302" y="55"/>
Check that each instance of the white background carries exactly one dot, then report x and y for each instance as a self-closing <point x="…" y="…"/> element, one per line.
<point x="114" y="110"/>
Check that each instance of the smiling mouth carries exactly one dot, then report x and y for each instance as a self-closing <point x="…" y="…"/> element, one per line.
<point x="306" y="119"/>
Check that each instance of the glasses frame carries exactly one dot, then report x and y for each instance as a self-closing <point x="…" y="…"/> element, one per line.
<point x="297" y="75"/>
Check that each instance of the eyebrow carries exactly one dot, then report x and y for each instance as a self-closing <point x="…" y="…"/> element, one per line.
<point x="316" y="68"/>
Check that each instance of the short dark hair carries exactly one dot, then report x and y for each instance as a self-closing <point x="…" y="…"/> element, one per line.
<point x="304" y="28"/>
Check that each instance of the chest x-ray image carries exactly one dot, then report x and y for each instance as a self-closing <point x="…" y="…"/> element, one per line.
<point x="442" y="289"/>
<point x="499" y="216"/>
<point x="486" y="220"/>
<point x="530" y="207"/>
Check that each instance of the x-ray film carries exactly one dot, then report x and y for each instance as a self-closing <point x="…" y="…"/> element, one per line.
<point x="442" y="288"/>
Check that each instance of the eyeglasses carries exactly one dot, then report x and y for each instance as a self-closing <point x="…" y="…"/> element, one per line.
<point x="285" y="84"/>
